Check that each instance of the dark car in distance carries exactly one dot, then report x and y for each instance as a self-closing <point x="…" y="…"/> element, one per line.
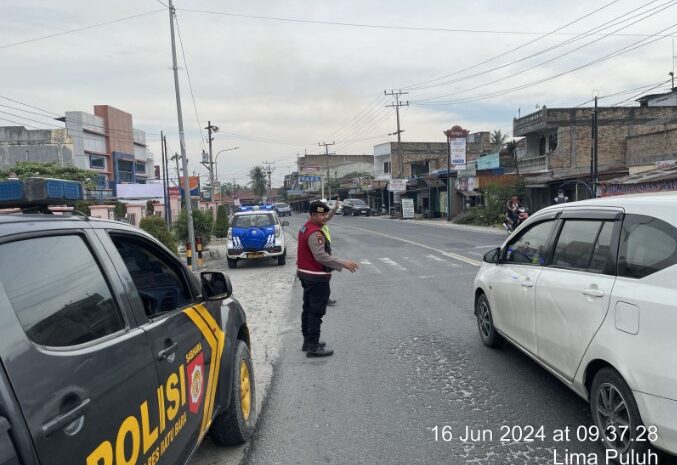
<point x="282" y="209"/>
<point x="355" y="207"/>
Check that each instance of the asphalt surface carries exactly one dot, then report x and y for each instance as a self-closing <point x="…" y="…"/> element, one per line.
<point x="409" y="359"/>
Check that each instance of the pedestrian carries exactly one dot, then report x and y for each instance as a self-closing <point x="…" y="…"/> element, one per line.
<point x="325" y="229"/>
<point x="561" y="198"/>
<point x="315" y="265"/>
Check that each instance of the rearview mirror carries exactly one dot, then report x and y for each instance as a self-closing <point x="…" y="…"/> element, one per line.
<point x="492" y="255"/>
<point x="215" y="285"/>
<point x="285" y="223"/>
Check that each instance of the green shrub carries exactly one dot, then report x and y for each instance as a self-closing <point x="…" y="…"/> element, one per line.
<point x="156" y="227"/>
<point x="83" y="207"/>
<point x="203" y="223"/>
<point x="221" y="225"/>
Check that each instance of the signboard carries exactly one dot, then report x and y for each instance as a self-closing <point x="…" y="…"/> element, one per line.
<point x="466" y="184"/>
<point x="193" y="183"/>
<point x="467" y="171"/>
<point x="489" y="162"/>
<point x="295" y="192"/>
<point x="397" y="185"/>
<point x="140" y="191"/>
<point x="457" y="150"/>
<point x="310" y="169"/>
<point x="310" y="178"/>
<point x="408" y="208"/>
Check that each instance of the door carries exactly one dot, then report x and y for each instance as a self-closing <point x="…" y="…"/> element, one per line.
<point x="573" y="292"/>
<point x="514" y="282"/>
<point x="185" y="340"/>
<point x="83" y="374"/>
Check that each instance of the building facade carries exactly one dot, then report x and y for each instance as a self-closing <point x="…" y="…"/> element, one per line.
<point x="18" y="144"/>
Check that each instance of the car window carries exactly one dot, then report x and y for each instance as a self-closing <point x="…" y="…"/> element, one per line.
<point x="253" y="221"/>
<point x="158" y="280"/>
<point x="358" y="202"/>
<point x="576" y="244"/>
<point x="604" y="255"/>
<point x="530" y="247"/>
<point x="58" y="291"/>
<point x="648" y="245"/>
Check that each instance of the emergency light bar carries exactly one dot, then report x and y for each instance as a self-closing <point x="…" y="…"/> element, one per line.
<point x="252" y="208"/>
<point x="35" y="192"/>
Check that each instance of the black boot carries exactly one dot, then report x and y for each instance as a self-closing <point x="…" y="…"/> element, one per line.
<point x="316" y="350"/>
<point x="304" y="348"/>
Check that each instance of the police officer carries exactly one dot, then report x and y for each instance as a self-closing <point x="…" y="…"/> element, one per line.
<point x="315" y="264"/>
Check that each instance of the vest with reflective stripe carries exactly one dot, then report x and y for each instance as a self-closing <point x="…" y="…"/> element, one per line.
<point x="305" y="260"/>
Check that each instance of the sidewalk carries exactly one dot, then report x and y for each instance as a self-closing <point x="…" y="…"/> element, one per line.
<point x="443" y="223"/>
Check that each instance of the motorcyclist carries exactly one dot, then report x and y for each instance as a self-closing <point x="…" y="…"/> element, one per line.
<point x="561" y="198"/>
<point x="511" y="208"/>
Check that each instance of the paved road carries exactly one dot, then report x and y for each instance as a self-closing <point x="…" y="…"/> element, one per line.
<point x="408" y="359"/>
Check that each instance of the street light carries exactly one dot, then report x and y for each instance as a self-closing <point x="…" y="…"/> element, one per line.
<point x="216" y="159"/>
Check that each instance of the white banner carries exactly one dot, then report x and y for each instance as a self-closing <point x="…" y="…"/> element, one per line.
<point x="457" y="150"/>
<point x="408" y="208"/>
<point x="397" y="185"/>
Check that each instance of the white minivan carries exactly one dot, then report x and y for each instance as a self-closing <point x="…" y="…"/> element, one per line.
<point x="589" y="290"/>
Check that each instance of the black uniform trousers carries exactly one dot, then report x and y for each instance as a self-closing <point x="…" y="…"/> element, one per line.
<point x="315" y="298"/>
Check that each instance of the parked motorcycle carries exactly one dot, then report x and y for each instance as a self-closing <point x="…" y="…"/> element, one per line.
<point x="522" y="215"/>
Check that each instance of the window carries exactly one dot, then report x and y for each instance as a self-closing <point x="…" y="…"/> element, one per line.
<point x="576" y="244"/>
<point x="531" y="247"/>
<point x="386" y="167"/>
<point x="648" y="245"/>
<point x="101" y="181"/>
<point x="97" y="162"/>
<point x="58" y="291"/>
<point x="125" y="169"/>
<point x="140" y="168"/>
<point x="158" y="280"/>
<point x="254" y="221"/>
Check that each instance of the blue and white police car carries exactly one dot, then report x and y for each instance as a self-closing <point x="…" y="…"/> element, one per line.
<point x="256" y="232"/>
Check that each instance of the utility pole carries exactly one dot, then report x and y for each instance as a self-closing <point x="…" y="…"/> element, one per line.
<point x="176" y="157"/>
<point x="326" y="155"/>
<point x="397" y="106"/>
<point x="595" y="179"/>
<point x="165" y="170"/>
<point x="270" y="185"/>
<point x="164" y="177"/>
<point x="210" y="130"/>
<point x="182" y="139"/>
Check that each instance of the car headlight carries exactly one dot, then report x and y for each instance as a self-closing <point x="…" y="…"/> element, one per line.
<point x="277" y="230"/>
<point x="230" y="234"/>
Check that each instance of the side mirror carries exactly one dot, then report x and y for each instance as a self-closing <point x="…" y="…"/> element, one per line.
<point x="285" y="223"/>
<point x="492" y="256"/>
<point x="215" y="285"/>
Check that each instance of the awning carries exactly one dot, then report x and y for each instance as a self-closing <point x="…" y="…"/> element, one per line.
<point x="469" y="193"/>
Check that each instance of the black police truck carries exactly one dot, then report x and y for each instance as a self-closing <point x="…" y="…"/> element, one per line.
<point x="112" y="352"/>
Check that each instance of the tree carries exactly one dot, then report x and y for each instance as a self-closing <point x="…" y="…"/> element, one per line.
<point x="229" y="188"/>
<point x="497" y="137"/>
<point x="27" y="169"/>
<point x="259" y="182"/>
<point x="221" y="225"/>
<point x="203" y="224"/>
<point x="156" y="227"/>
<point x="120" y="211"/>
<point x="511" y="147"/>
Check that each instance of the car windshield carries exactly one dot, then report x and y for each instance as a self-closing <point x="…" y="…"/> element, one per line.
<point x="259" y="220"/>
<point x="281" y="205"/>
<point x="358" y="202"/>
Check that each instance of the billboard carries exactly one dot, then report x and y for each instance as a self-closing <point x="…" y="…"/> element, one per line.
<point x="457" y="150"/>
<point x="193" y="183"/>
<point x="310" y="178"/>
<point x="489" y="162"/>
<point x="397" y="185"/>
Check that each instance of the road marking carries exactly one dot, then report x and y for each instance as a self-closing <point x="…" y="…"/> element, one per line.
<point x="392" y="263"/>
<point x="436" y="258"/>
<point x="371" y="266"/>
<point x="455" y="256"/>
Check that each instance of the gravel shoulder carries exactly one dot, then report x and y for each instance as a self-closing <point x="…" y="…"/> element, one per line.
<point x="264" y="290"/>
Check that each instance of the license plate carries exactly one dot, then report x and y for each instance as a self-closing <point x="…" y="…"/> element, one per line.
<point x="255" y="255"/>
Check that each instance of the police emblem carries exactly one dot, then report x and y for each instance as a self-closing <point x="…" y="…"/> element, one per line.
<point x="319" y="238"/>
<point x="195" y="372"/>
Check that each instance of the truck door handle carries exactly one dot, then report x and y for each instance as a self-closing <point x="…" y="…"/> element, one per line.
<point x="527" y="283"/>
<point x="65" y="419"/>
<point x="593" y="292"/>
<point x="167" y="351"/>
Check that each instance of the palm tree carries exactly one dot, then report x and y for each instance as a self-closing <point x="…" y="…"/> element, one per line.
<point x="258" y="183"/>
<point x="497" y="137"/>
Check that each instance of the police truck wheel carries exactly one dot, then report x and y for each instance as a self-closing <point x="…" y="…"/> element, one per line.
<point x="232" y="263"/>
<point x="236" y="424"/>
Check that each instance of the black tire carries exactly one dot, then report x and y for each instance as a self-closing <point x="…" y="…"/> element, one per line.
<point x="485" y="323"/>
<point x="606" y="381"/>
<point x="282" y="259"/>
<point x="232" y="263"/>
<point x="345" y="213"/>
<point x="236" y="424"/>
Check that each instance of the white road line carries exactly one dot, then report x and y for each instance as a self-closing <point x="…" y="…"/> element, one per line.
<point x="371" y="266"/>
<point x="365" y="262"/>
<point x="458" y="257"/>
<point x="435" y="257"/>
<point x="392" y="263"/>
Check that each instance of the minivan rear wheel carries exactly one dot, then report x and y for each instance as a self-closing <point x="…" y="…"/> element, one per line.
<point x="614" y="411"/>
<point x="485" y="323"/>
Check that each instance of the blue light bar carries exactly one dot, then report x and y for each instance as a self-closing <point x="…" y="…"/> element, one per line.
<point x="39" y="192"/>
<point x="252" y="208"/>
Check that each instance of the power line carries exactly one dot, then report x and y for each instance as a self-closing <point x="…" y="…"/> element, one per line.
<point x="190" y="84"/>
<point x="372" y="26"/>
<point x="78" y="29"/>
<point x="669" y="4"/>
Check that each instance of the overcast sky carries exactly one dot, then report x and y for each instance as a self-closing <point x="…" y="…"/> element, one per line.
<point x="276" y="88"/>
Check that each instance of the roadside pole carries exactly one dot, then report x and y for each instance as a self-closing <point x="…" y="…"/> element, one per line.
<point x="448" y="179"/>
<point x="182" y="139"/>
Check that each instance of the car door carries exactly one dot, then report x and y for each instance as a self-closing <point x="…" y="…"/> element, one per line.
<point x="573" y="291"/>
<point x="514" y="279"/>
<point x="185" y="339"/>
<point x="82" y="371"/>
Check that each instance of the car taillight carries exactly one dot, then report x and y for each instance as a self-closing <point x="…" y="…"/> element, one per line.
<point x="230" y="234"/>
